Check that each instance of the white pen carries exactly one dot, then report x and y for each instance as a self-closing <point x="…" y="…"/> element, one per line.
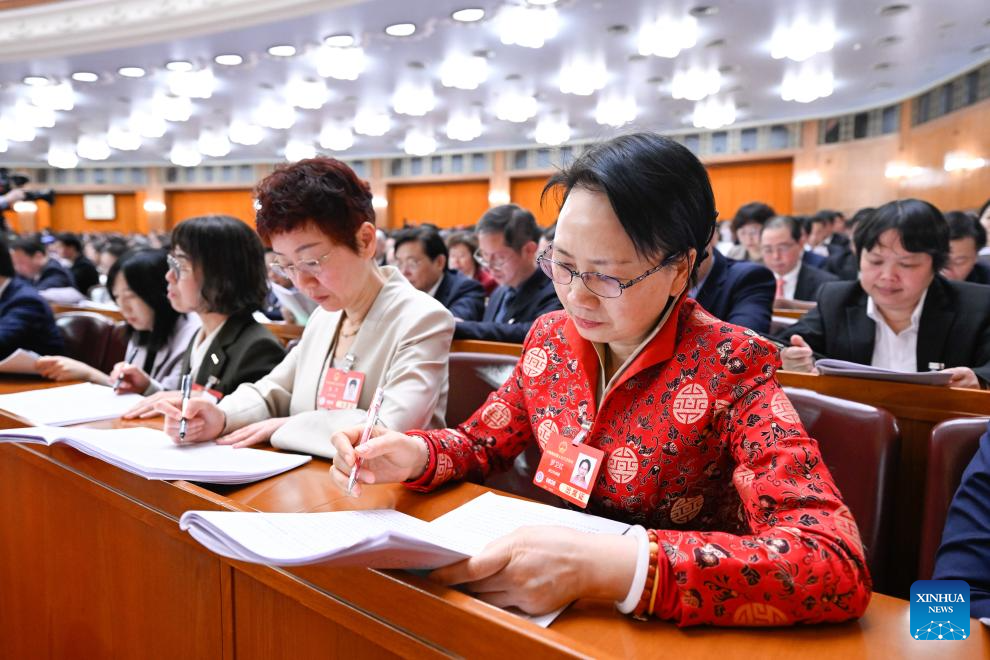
<point x="369" y="424"/>
<point x="186" y="388"/>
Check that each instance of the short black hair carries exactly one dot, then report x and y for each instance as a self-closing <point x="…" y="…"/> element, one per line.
<point x="144" y="271"/>
<point x="68" y="239"/>
<point x="6" y="263"/>
<point x="428" y="236"/>
<point x="921" y="228"/>
<point x="754" y="213"/>
<point x="966" y="225"/>
<point x="583" y="461"/>
<point x="858" y="217"/>
<point x="114" y="247"/>
<point x="822" y="217"/>
<point x="786" y="222"/>
<point x="29" y="246"/>
<point x="517" y="225"/>
<point x="231" y="259"/>
<point x="659" y="191"/>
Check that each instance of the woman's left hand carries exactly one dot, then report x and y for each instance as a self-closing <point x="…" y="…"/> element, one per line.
<point x="962" y="377"/>
<point x="253" y="434"/>
<point x="59" y="367"/>
<point x="540" y="569"/>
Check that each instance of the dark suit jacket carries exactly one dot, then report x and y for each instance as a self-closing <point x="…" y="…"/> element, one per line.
<point x="84" y="274"/>
<point x="840" y="240"/>
<point x="980" y="274"/>
<point x="954" y="327"/>
<point x="809" y="280"/>
<point x="810" y="258"/>
<point x="26" y="321"/>
<point x="243" y="352"/>
<point x="965" y="550"/>
<point x="739" y="292"/>
<point x="843" y="264"/>
<point x="534" y="298"/>
<point x="53" y="275"/>
<point x="462" y="295"/>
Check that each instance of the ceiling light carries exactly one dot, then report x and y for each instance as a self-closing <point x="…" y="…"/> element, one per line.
<point x="340" y="63"/>
<point x="372" y="123"/>
<point x="515" y="107"/>
<point x="16" y="131"/>
<point x="3" y="144"/>
<point x="526" y="26"/>
<point x="336" y="136"/>
<point x="616" y="111"/>
<point x="193" y="84"/>
<point x="54" y="97"/>
<point x="131" y="71"/>
<point x="274" y="114"/>
<point x="185" y="154"/>
<point x="339" y="40"/>
<point x="93" y="146"/>
<point x="85" y="76"/>
<point x="379" y="202"/>
<point x="419" y="142"/>
<point x="807" y="179"/>
<point x="307" y="94"/>
<point x="464" y="126"/>
<point x="299" y="150"/>
<point x="148" y="124"/>
<point x="33" y="116"/>
<point x="400" y="29"/>
<point x="552" y="131"/>
<point x="229" y="59"/>
<point x="154" y="206"/>
<point x="123" y="137"/>
<point x="468" y="15"/>
<point x="957" y="161"/>
<point x="582" y="77"/>
<point x="171" y="107"/>
<point x="179" y="66"/>
<point x="463" y="72"/>
<point x="62" y="156"/>
<point x="35" y="81"/>
<point x="213" y="143"/>
<point x="242" y="132"/>
<point x="413" y="100"/>
<point x="712" y="113"/>
<point x="806" y="85"/>
<point x="695" y="84"/>
<point x="282" y="50"/>
<point x="898" y="170"/>
<point x="801" y="39"/>
<point x="668" y="36"/>
<point x="25" y="206"/>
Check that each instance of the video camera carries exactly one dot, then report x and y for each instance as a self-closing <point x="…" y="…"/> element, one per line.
<point x="10" y="181"/>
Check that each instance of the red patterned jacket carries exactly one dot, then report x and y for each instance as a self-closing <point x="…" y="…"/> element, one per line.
<point x="703" y="446"/>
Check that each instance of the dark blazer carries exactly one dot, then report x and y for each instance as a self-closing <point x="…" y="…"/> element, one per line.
<point x="840" y="240"/>
<point x="739" y="292"/>
<point x="53" y="275"/>
<point x="534" y="298"/>
<point x="84" y="274"/>
<point x="965" y="550"/>
<point x="809" y="281"/>
<point x="980" y="274"/>
<point x="843" y="264"/>
<point x="462" y="295"/>
<point x="954" y="327"/>
<point x="243" y="352"/>
<point x="809" y="258"/>
<point x="26" y="321"/>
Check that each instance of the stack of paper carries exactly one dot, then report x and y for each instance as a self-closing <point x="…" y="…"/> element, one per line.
<point x="70" y="404"/>
<point x="19" y="362"/>
<point x="152" y="454"/>
<point x="831" y="367"/>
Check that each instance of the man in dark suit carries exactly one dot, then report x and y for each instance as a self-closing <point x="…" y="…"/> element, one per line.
<point x="421" y="255"/>
<point x="738" y="292"/>
<point x="33" y="264"/>
<point x="966" y="237"/>
<point x="26" y="321"/>
<point x="782" y="245"/>
<point x="507" y="238"/>
<point x="84" y="273"/>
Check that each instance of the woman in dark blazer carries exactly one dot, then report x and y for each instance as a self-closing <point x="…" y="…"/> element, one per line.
<point x="901" y="314"/>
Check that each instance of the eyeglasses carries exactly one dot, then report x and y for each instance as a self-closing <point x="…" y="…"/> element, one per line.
<point x="412" y="263"/>
<point x="603" y="286"/>
<point x="312" y="267"/>
<point x="492" y="260"/>
<point x="783" y="248"/>
<point x="175" y="266"/>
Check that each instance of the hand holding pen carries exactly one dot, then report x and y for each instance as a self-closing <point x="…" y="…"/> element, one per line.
<point x="186" y="387"/>
<point x="369" y="425"/>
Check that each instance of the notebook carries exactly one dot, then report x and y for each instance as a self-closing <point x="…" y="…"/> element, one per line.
<point x="151" y="454"/>
<point x="19" y="362"/>
<point x="831" y="367"/>
<point x="70" y="404"/>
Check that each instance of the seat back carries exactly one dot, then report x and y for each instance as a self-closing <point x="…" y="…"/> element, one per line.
<point x="86" y="336"/>
<point x="951" y="447"/>
<point x="473" y="376"/>
<point x="116" y="346"/>
<point x="859" y="444"/>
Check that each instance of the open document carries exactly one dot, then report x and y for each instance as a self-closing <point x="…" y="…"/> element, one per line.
<point x="831" y="367"/>
<point x="69" y="404"/>
<point x="19" y="362"/>
<point x="152" y="454"/>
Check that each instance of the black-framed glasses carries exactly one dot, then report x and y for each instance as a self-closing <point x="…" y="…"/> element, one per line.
<point x="311" y="267"/>
<point x="603" y="286"/>
<point x="175" y="266"/>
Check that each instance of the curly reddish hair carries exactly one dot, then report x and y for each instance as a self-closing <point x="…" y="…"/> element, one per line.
<point x="322" y="191"/>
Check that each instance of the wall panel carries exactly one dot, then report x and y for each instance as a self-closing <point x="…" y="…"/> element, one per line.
<point x="67" y="215"/>
<point x="446" y="204"/>
<point x="184" y="204"/>
<point x="767" y="181"/>
<point x="525" y="191"/>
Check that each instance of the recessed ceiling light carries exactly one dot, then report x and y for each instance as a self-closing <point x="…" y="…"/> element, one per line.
<point x="400" y="29"/>
<point x="35" y="81"/>
<point x="888" y="40"/>
<point x="703" y="10"/>
<point x="179" y="66"/>
<point x="893" y="10"/>
<point x="85" y="76"/>
<point x="131" y="71"/>
<point x="339" y="40"/>
<point x="468" y="15"/>
<point x="282" y="50"/>
<point x="228" y="59"/>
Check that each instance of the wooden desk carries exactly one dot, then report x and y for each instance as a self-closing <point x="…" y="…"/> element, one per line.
<point x="285" y="332"/>
<point x="93" y="564"/>
<point x="58" y="308"/>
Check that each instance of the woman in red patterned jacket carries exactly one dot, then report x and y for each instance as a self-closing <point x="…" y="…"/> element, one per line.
<point x="703" y="452"/>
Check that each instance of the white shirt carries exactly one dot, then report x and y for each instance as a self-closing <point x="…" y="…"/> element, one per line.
<point x="821" y="248"/>
<point x="436" y="287"/>
<point x="892" y="350"/>
<point x="200" y="345"/>
<point x="790" y="281"/>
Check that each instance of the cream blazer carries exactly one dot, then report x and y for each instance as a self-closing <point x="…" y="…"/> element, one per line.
<point x="403" y="346"/>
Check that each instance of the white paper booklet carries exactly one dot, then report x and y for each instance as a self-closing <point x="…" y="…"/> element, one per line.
<point x="152" y="454"/>
<point x="831" y="367"/>
<point x="69" y="404"/>
<point x="19" y="362"/>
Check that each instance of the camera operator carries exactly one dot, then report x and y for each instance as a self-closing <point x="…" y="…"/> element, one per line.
<point x="7" y="201"/>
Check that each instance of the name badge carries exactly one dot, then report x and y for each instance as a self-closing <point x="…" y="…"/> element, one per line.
<point x="208" y="393"/>
<point x="569" y="470"/>
<point x="341" y="390"/>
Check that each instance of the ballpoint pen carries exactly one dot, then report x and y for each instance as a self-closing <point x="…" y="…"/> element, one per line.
<point x="186" y="387"/>
<point x="369" y="424"/>
<point x="120" y="378"/>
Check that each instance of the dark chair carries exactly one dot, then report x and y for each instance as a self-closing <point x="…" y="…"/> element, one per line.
<point x="86" y="336"/>
<point x="116" y="346"/>
<point x="473" y="376"/>
<point x="859" y="444"/>
<point x="951" y="447"/>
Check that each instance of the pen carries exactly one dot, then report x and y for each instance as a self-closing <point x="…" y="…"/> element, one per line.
<point x="376" y="406"/>
<point x="120" y="378"/>
<point x="186" y="387"/>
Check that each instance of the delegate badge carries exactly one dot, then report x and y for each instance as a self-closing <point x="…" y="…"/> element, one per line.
<point x="568" y="470"/>
<point x="341" y="390"/>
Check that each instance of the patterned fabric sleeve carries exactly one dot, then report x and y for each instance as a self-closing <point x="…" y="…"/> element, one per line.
<point x="803" y="561"/>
